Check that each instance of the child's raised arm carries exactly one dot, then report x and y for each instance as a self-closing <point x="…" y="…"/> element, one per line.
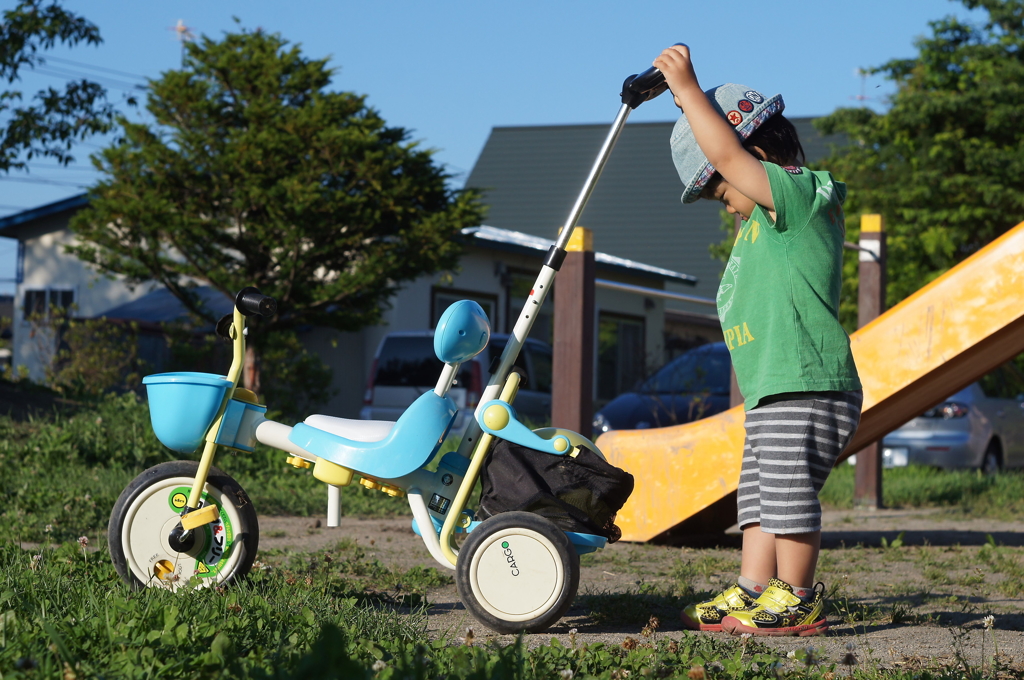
<point x="713" y="133"/>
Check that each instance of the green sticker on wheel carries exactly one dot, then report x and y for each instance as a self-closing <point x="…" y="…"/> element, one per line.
<point x="218" y="535"/>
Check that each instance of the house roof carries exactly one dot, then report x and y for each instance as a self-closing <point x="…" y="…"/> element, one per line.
<point x="161" y="306"/>
<point x="32" y="214"/>
<point x="517" y="241"/>
<point x="530" y="177"/>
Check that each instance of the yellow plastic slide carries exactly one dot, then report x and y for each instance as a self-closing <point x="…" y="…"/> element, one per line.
<point x="939" y="340"/>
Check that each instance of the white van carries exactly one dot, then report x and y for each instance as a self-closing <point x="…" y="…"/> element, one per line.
<point x="405" y="367"/>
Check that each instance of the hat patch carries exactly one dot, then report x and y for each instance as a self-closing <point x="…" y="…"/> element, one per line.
<point x="745" y="106"/>
<point x="735" y="117"/>
<point x="793" y="170"/>
<point x="753" y="96"/>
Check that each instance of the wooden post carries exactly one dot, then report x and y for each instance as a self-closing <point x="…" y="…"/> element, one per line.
<point x="572" y="390"/>
<point x="867" y="491"/>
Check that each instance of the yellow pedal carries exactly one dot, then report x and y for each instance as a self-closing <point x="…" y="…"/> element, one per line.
<point x="329" y="473"/>
<point x="392" y="491"/>
<point x="200" y="517"/>
<point x="297" y="462"/>
<point x="369" y="484"/>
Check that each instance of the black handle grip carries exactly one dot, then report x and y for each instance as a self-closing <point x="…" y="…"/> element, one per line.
<point x="251" y="301"/>
<point x="637" y="89"/>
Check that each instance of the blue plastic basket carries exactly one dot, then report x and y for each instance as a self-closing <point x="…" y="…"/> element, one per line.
<point x="183" y="405"/>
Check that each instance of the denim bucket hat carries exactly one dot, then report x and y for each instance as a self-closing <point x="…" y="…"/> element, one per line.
<point x="744" y="107"/>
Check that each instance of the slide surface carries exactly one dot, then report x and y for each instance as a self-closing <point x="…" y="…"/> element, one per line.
<point x="939" y="340"/>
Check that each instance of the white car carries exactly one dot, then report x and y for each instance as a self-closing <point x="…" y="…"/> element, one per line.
<point x="973" y="428"/>
<point x="405" y="367"/>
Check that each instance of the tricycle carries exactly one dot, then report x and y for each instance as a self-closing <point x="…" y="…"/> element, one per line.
<point x="187" y="524"/>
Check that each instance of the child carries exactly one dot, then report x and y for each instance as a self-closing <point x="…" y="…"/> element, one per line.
<point x="778" y="303"/>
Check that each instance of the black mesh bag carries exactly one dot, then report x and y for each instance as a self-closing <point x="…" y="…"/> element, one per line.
<point x="580" y="494"/>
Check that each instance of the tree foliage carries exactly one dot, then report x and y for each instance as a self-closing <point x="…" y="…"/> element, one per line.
<point x="56" y="118"/>
<point x="256" y="174"/>
<point x="945" y="164"/>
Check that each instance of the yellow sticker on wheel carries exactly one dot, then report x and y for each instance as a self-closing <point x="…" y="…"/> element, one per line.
<point x="178" y="500"/>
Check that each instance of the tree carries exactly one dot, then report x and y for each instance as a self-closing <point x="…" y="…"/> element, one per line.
<point x="256" y="174"/>
<point x="50" y="125"/>
<point x="945" y="164"/>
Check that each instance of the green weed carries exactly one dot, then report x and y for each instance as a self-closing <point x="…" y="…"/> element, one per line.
<point x="996" y="496"/>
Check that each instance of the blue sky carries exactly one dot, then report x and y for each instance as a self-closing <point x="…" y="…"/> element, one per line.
<point x="450" y="71"/>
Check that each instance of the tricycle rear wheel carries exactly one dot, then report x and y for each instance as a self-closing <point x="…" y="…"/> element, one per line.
<point x="517" y="572"/>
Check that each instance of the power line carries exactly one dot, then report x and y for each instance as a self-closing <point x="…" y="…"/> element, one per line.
<point x="107" y="82"/>
<point x="72" y="62"/>
<point x="39" y="180"/>
<point x="57" y="166"/>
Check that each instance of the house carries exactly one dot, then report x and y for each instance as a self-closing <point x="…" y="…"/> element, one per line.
<point x="530" y="177"/>
<point x="497" y="270"/>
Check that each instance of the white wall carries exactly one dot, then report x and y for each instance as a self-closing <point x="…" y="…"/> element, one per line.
<point x="47" y="266"/>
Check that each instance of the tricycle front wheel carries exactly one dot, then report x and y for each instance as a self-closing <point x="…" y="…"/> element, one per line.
<point x="145" y="549"/>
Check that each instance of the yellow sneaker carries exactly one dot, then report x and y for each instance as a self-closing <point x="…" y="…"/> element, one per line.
<point x="707" y="615"/>
<point x="779" y="612"/>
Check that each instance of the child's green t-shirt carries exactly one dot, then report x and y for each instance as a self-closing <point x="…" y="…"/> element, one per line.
<point x="779" y="297"/>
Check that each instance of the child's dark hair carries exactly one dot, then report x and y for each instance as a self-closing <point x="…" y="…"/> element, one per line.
<point x="777" y="138"/>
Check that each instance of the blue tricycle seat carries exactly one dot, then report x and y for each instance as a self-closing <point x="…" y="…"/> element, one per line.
<point x="412" y="442"/>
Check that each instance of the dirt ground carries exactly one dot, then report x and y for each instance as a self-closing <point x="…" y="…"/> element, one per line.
<point x="901" y="604"/>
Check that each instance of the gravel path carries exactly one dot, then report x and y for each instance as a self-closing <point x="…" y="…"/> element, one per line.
<point x="904" y="604"/>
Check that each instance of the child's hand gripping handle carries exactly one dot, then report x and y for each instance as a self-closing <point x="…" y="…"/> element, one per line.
<point x="251" y="301"/>
<point x="637" y="89"/>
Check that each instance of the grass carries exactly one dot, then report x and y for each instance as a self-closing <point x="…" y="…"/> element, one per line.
<point x="999" y="496"/>
<point x="65" y="614"/>
<point x="339" y="612"/>
<point x="61" y="475"/>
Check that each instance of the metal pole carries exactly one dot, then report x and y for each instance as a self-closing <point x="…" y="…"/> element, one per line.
<point x="595" y="174"/>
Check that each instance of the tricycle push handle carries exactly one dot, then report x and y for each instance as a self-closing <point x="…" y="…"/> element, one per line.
<point x="250" y="301"/>
<point x="637" y="89"/>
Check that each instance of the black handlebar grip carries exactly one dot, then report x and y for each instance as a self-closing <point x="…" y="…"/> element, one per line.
<point x="251" y="301"/>
<point x="637" y="89"/>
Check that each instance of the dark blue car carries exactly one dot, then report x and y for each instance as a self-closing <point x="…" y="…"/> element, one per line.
<point x="692" y="386"/>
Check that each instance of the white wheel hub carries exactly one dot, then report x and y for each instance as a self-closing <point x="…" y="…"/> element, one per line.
<point x="148" y="523"/>
<point x="516" y="574"/>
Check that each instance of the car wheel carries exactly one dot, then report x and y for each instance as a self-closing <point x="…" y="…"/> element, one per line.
<point x="992" y="460"/>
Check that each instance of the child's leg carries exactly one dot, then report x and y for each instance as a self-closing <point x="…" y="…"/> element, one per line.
<point x="797" y="556"/>
<point x="795" y="440"/>
<point x="758" y="561"/>
<point x="790" y="557"/>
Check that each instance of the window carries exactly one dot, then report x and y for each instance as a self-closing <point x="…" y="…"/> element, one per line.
<point x="38" y="302"/>
<point x="540" y="357"/>
<point x="620" y="354"/>
<point x="519" y="286"/>
<point x="442" y="298"/>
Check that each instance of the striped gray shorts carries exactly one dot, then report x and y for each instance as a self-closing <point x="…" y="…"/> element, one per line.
<point x="792" y="443"/>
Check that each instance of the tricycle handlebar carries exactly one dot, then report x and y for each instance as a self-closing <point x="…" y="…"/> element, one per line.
<point x="251" y="301"/>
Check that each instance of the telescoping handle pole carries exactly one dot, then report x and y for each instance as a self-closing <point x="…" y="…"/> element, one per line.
<point x="636" y="89"/>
